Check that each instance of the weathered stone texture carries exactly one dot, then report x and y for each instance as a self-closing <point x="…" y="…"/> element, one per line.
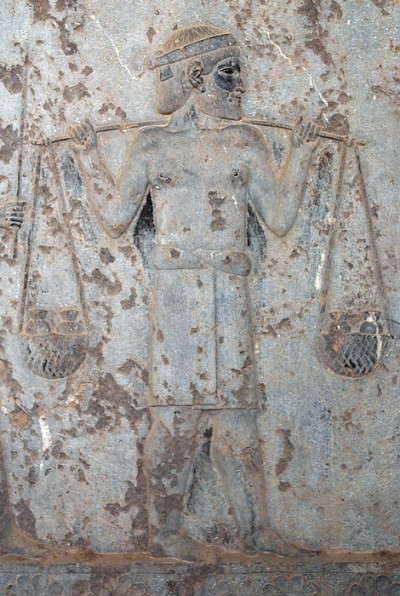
<point x="74" y="429"/>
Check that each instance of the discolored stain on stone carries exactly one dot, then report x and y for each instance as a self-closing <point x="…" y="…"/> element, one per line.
<point x="131" y="301"/>
<point x="68" y="47"/>
<point x="150" y="34"/>
<point x="284" y="486"/>
<point x="25" y="518"/>
<point x="19" y="419"/>
<point x="310" y="10"/>
<point x="4" y="184"/>
<point x="383" y="6"/>
<point x="287" y="455"/>
<point x="121" y="113"/>
<point x="283" y="324"/>
<point x="78" y="91"/>
<point x="318" y="47"/>
<point x="87" y="71"/>
<point x="57" y="450"/>
<point x="7" y="376"/>
<point x="218" y="223"/>
<point x="340" y="123"/>
<point x="11" y="77"/>
<point x="41" y="9"/>
<point x="336" y="10"/>
<point x="63" y="4"/>
<point x="105" y="256"/>
<point x="112" y="287"/>
<point x="10" y="139"/>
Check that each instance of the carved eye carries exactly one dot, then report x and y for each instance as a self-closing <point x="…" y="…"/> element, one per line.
<point x="227" y="71"/>
<point x="236" y="173"/>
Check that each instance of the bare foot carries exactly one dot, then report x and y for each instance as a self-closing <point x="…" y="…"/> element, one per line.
<point x="18" y="543"/>
<point x="185" y="548"/>
<point x="272" y="542"/>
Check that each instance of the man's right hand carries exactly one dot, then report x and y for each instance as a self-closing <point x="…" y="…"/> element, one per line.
<point x="12" y="214"/>
<point x="84" y="135"/>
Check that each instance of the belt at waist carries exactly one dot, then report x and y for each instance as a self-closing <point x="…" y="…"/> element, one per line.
<point x="230" y="261"/>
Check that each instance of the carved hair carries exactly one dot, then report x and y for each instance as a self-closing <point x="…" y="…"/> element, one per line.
<point x="170" y="63"/>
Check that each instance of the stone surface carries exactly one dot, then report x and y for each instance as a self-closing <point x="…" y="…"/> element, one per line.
<point x="295" y="360"/>
<point x="141" y="580"/>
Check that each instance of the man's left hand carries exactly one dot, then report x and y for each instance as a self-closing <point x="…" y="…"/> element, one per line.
<point x="306" y="132"/>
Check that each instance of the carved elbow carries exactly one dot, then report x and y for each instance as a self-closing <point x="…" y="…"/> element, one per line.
<point x="114" y="233"/>
<point x="280" y="229"/>
<point x="115" y="230"/>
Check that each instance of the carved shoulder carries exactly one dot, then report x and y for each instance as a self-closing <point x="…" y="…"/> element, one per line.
<point x="249" y="140"/>
<point x="147" y="140"/>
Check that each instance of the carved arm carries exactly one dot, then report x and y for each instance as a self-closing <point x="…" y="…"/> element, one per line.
<point x="115" y="200"/>
<point x="277" y="200"/>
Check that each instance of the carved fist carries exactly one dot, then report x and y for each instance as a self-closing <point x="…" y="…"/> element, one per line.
<point x="12" y="215"/>
<point x="305" y="131"/>
<point x="84" y="135"/>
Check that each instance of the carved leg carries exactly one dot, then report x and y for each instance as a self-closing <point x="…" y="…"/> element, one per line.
<point x="169" y="454"/>
<point x="236" y="455"/>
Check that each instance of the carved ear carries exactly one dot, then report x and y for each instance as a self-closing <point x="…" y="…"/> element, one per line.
<point x="194" y="73"/>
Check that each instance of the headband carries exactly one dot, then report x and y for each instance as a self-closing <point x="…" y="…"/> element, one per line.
<point x="193" y="49"/>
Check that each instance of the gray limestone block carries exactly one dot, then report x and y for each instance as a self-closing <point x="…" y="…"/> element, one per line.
<point x="199" y="308"/>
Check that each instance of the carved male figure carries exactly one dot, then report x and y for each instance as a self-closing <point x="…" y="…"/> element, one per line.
<point x="201" y="169"/>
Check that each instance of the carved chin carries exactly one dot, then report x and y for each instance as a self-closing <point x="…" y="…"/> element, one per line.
<point x="233" y="108"/>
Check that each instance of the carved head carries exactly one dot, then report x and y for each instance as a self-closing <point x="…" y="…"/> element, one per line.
<point x="201" y="60"/>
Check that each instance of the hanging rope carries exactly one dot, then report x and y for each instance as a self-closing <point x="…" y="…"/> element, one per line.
<point x="21" y="145"/>
<point x="353" y="328"/>
<point x="54" y="340"/>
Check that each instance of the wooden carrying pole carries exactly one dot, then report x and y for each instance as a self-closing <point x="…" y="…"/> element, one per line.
<point x="256" y="122"/>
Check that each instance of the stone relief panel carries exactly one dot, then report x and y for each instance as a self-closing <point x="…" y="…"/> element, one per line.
<point x="198" y="284"/>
